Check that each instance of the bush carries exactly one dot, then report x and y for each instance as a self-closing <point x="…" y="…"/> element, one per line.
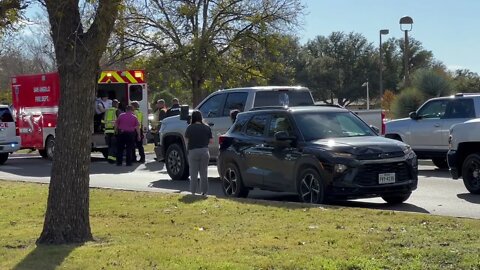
<point x="431" y="83"/>
<point x="407" y="101"/>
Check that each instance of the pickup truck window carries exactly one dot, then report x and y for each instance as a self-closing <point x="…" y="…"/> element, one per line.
<point x="460" y="108"/>
<point x="275" y="98"/>
<point x="433" y="109"/>
<point x="213" y="106"/>
<point x="235" y="101"/>
<point x="5" y="115"/>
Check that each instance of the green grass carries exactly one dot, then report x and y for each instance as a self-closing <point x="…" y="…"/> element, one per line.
<point x="136" y="230"/>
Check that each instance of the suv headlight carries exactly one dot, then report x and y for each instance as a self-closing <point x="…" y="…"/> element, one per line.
<point x="409" y="154"/>
<point x="340" y="168"/>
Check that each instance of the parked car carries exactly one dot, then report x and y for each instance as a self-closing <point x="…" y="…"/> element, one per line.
<point x="464" y="154"/>
<point x="427" y="129"/>
<point x="9" y="139"/>
<point x="216" y="111"/>
<point x="316" y="151"/>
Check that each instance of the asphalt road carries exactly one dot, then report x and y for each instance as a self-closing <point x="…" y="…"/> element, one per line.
<point x="437" y="193"/>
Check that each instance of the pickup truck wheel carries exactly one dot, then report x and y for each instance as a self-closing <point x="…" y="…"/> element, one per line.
<point x="396" y="198"/>
<point x="471" y="173"/>
<point x="176" y="162"/>
<point x="440" y="163"/>
<point x="3" y="158"/>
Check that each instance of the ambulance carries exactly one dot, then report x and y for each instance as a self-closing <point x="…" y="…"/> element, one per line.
<point x="36" y="98"/>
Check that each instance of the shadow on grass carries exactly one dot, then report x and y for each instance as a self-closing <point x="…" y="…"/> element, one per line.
<point x="46" y="257"/>
<point x="189" y="198"/>
<point x="469" y="197"/>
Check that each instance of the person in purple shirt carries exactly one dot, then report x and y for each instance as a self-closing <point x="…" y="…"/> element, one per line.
<point x="126" y="127"/>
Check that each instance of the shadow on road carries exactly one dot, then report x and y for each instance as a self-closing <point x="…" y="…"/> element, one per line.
<point x="45" y="257"/>
<point x="404" y="207"/>
<point x="442" y="173"/>
<point x="469" y="197"/>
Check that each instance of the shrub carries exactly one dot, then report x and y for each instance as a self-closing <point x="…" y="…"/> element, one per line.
<point x="431" y="83"/>
<point x="407" y="101"/>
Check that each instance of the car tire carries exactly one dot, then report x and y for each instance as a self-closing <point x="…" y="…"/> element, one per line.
<point x="176" y="162"/>
<point x="232" y="183"/>
<point x="396" y="198"/>
<point x="471" y="173"/>
<point x="441" y="163"/>
<point x="310" y="186"/>
<point x="3" y="158"/>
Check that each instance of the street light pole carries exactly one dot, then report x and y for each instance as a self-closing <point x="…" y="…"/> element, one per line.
<point x="406" y="26"/>
<point x="368" y="94"/>
<point x="382" y="32"/>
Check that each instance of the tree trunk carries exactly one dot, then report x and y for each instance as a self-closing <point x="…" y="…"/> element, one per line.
<point x="78" y="54"/>
<point x="197" y="95"/>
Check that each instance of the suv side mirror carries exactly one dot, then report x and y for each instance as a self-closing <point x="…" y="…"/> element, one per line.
<point x="414" y="115"/>
<point x="184" y="112"/>
<point x="283" y="136"/>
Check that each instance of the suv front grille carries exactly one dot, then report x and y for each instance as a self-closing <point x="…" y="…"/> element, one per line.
<point x="368" y="174"/>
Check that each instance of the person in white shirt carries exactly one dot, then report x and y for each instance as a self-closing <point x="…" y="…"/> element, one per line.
<point x="101" y="105"/>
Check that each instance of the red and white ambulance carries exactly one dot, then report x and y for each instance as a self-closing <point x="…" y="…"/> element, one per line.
<point x="36" y="99"/>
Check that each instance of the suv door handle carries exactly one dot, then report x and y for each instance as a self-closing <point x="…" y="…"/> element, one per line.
<point x="211" y="124"/>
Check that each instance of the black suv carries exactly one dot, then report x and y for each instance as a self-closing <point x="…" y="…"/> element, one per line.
<point x="319" y="152"/>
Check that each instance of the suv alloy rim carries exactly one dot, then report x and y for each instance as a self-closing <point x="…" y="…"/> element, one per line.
<point x="174" y="162"/>
<point x="230" y="182"/>
<point x="310" y="188"/>
<point x="474" y="174"/>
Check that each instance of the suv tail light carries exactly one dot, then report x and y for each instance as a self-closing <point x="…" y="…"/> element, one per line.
<point x="221" y="139"/>
<point x="382" y="131"/>
<point x="17" y="131"/>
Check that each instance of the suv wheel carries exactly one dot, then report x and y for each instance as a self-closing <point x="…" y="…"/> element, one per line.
<point x="471" y="173"/>
<point x="396" y="198"/>
<point x="311" y="188"/>
<point x="440" y="162"/>
<point x="232" y="184"/>
<point x="176" y="162"/>
<point x="3" y="158"/>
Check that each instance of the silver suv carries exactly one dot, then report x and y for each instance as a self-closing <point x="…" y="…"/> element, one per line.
<point x="216" y="111"/>
<point x="427" y="129"/>
<point x="9" y="139"/>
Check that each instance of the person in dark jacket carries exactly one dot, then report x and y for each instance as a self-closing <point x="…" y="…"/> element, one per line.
<point x="198" y="136"/>
<point x="174" y="109"/>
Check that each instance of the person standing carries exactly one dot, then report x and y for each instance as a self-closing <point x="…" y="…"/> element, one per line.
<point x="101" y="105"/>
<point x="127" y="127"/>
<point x="161" y="114"/>
<point x="174" y="109"/>
<point x="111" y="115"/>
<point x="198" y="137"/>
<point x="138" y="142"/>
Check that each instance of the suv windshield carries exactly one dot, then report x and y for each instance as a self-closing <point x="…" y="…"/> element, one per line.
<point x="5" y="115"/>
<point x="323" y="125"/>
<point x="283" y="97"/>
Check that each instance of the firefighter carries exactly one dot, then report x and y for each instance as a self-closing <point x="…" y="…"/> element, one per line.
<point x="139" y="140"/>
<point x="111" y="115"/>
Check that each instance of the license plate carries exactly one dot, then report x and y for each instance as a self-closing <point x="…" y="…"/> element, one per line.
<point x="386" y="178"/>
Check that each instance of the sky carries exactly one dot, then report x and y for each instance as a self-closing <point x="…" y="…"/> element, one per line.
<point x="448" y="28"/>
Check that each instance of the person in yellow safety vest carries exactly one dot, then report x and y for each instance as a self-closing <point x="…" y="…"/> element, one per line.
<point x="111" y="115"/>
<point x="138" y="143"/>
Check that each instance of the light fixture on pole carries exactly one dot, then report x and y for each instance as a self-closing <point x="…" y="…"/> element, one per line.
<point x="368" y="94"/>
<point x="382" y="32"/>
<point x="406" y="23"/>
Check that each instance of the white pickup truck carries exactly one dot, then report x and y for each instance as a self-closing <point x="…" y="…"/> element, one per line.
<point x="464" y="154"/>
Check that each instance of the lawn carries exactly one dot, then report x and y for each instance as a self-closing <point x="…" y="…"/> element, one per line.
<point x="135" y="230"/>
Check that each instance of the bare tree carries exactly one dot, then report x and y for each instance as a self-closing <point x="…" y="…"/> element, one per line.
<point x="193" y="34"/>
<point x="77" y="52"/>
